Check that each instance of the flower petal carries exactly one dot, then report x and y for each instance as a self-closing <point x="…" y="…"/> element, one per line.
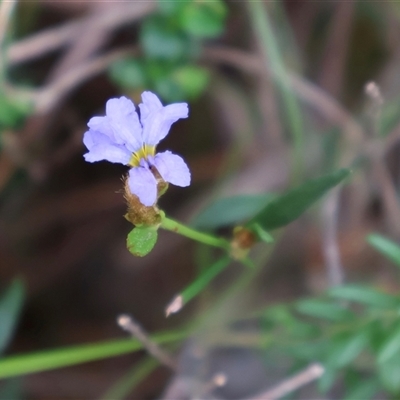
<point x="150" y="104"/>
<point x="156" y="119"/>
<point x="101" y="124"/>
<point x="101" y="147"/>
<point x="143" y="184"/>
<point x="124" y="122"/>
<point x="172" y="168"/>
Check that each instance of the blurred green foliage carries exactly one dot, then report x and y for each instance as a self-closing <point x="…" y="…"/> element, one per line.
<point x="10" y="309"/>
<point x="352" y="330"/>
<point x="12" y="111"/>
<point x="171" y="42"/>
<point x="231" y="210"/>
<point x="287" y="207"/>
<point x="388" y="248"/>
<point x="51" y="359"/>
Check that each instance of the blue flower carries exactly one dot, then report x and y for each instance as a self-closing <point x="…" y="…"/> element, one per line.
<point x="121" y="137"/>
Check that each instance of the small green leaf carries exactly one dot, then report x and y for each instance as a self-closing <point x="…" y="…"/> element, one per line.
<point x="346" y="349"/>
<point x="389" y="373"/>
<point x="390" y="347"/>
<point x="231" y="210"/>
<point x="141" y="240"/>
<point x="204" y="19"/>
<point x="327" y="379"/>
<point x="309" y="350"/>
<point x="281" y="317"/>
<point x="13" y="111"/>
<point x="262" y="234"/>
<point x="168" y="90"/>
<point x="191" y="79"/>
<point x="324" y="310"/>
<point x="364" y="389"/>
<point x="161" y="39"/>
<point x="129" y="73"/>
<point x="364" y="295"/>
<point x="10" y="308"/>
<point x="385" y="246"/>
<point x="286" y="208"/>
<point x="171" y="7"/>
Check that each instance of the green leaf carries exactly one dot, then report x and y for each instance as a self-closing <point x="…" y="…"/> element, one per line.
<point x="282" y="318"/>
<point x="170" y="7"/>
<point x="324" y="310"/>
<point x="309" y="350"/>
<point x="168" y="90"/>
<point x="191" y="79"/>
<point x="385" y="246"/>
<point x="390" y="347"/>
<point x="231" y="210"/>
<point x="287" y="207"/>
<point x="204" y="19"/>
<point x="13" y="111"/>
<point x="141" y="240"/>
<point x="262" y="234"/>
<point x="161" y="39"/>
<point x="10" y="308"/>
<point x="64" y="357"/>
<point x="346" y="349"/>
<point x="364" y="389"/>
<point x="389" y="373"/>
<point x="327" y="379"/>
<point x="364" y="295"/>
<point x="129" y="73"/>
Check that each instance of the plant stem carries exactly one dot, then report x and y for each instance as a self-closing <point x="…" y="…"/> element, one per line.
<point x="204" y="279"/>
<point x="273" y="59"/>
<point x="210" y="240"/>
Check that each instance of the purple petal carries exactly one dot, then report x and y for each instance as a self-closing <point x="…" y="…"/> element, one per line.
<point x="172" y="168"/>
<point x="156" y="119"/>
<point x="101" y="124"/>
<point x="101" y="147"/>
<point x="143" y="184"/>
<point x="150" y="104"/>
<point x="124" y="123"/>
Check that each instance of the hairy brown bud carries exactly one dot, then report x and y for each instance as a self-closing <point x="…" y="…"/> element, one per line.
<point x="243" y="240"/>
<point x="139" y="214"/>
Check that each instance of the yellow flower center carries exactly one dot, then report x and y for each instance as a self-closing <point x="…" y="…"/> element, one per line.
<point x="144" y="153"/>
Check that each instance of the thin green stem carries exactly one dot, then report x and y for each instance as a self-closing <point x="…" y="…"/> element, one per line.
<point x="204" y="279"/>
<point x="180" y="229"/>
<point x="273" y="60"/>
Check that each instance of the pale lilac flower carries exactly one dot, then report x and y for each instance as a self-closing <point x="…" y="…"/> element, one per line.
<point x="121" y="137"/>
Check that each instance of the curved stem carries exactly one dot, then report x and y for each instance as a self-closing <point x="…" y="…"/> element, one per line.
<point x="210" y="240"/>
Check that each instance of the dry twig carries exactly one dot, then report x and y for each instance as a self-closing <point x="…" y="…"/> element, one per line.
<point x="311" y="373"/>
<point x="129" y="325"/>
<point x="48" y="97"/>
<point x="330" y="245"/>
<point x="51" y="39"/>
<point x="306" y="90"/>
